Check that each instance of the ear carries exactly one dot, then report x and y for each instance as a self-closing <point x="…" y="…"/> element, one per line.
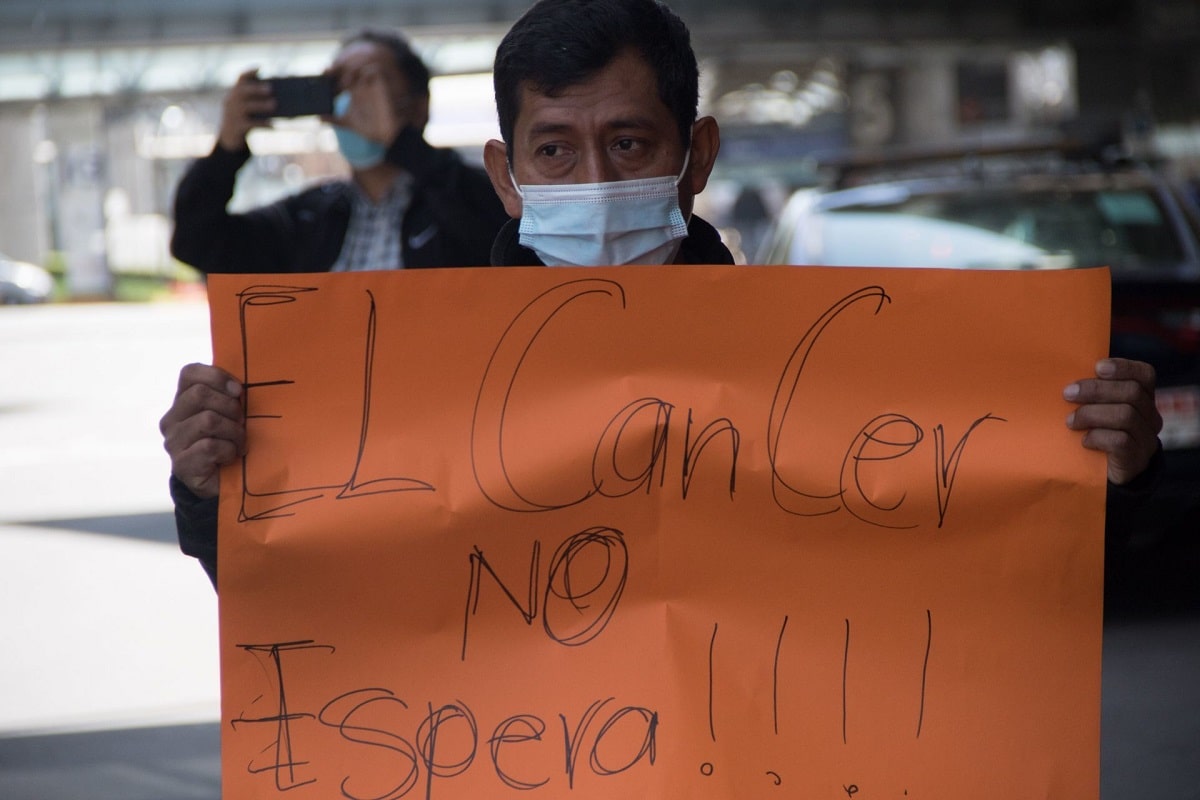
<point x="706" y="141"/>
<point x="495" y="161"/>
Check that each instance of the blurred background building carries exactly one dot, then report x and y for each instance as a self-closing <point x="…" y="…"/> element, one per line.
<point x="103" y="103"/>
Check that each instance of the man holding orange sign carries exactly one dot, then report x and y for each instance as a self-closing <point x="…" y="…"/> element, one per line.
<point x="682" y="638"/>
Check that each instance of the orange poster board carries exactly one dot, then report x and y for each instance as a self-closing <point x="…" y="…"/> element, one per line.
<point x="680" y="532"/>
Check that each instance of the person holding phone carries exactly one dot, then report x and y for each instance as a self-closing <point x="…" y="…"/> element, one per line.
<point x="406" y="203"/>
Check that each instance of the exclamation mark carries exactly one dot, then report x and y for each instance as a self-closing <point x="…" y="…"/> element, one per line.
<point x="925" y="669"/>
<point x="775" y="676"/>
<point x="712" y="646"/>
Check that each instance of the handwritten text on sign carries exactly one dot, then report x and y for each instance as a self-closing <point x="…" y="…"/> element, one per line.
<point x="695" y="532"/>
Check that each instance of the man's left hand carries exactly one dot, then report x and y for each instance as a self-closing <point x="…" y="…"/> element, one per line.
<point x="1117" y="414"/>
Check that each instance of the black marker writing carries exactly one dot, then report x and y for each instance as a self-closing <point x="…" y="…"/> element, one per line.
<point x="848" y="654"/>
<point x="574" y="610"/>
<point x="775" y="676"/>
<point x="630" y="451"/>
<point x="845" y="673"/>
<point x="947" y="469"/>
<point x="443" y="740"/>
<point x="427" y="736"/>
<point x="885" y="438"/>
<point x="710" y="432"/>
<point x="282" y="501"/>
<point x="925" y="668"/>
<point x="787" y="496"/>
<point x="284" y="761"/>
<point x="499" y="378"/>
<point x="712" y="647"/>
<point x="516" y="730"/>
<point x="339" y="714"/>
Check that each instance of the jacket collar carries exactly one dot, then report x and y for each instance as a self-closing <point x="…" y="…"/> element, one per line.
<point x="702" y="246"/>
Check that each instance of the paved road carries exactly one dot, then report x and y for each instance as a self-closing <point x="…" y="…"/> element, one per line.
<point x="107" y="632"/>
<point x="108" y="644"/>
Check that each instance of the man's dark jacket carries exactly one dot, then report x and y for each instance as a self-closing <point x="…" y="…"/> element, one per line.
<point x="451" y="222"/>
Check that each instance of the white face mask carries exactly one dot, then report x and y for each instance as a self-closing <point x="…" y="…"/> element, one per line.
<point x="602" y="224"/>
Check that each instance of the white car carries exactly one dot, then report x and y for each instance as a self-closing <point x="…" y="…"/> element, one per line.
<point x="22" y="282"/>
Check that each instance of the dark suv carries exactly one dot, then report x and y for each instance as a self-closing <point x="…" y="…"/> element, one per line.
<point x="1043" y="210"/>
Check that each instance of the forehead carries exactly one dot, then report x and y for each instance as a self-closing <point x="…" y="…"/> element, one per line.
<point x="622" y="94"/>
<point x="359" y="53"/>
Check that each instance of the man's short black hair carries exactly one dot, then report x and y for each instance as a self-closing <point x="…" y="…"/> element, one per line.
<point x="558" y="44"/>
<point x="410" y="64"/>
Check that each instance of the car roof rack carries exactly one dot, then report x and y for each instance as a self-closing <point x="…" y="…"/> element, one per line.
<point x="1059" y="152"/>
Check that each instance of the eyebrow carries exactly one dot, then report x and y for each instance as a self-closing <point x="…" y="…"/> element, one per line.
<point x="624" y="123"/>
<point x="543" y="128"/>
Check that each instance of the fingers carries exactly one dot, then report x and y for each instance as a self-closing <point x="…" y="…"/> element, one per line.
<point x="1124" y="369"/>
<point x="1117" y="414"/>
<point x="199" y="385"/>
<point x="205" y="428"/>
<point x="355" y="66"/>
<point x="377" y="111"/>
<point x="248" y="105"/>
<point x="1122" y="389"/>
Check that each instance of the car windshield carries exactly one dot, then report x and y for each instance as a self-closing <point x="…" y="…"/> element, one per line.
<point x="1127" y="229"/>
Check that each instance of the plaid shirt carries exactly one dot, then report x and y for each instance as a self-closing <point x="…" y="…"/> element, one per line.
<point x="374" y="233"/>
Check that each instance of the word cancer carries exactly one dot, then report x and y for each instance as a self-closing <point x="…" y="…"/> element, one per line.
<point x="882" y="442"/>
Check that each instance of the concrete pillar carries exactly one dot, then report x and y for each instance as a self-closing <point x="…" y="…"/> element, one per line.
<point x="23" y="230"/>
<point x="77" y="129"/>
<point x="928" y="104"/>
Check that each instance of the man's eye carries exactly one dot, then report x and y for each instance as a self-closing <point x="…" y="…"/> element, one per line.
<point x="549" y="150"/>
<point x="625" y="144"/>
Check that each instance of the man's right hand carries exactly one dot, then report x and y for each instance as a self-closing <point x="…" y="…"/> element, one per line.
<point x="248" y="105"/>
<point x="205" y="427"/>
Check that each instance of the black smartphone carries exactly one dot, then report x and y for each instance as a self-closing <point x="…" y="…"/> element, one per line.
<point x="302" y="95"/>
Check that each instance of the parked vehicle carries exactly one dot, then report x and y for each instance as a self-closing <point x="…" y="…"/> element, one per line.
<point x="22" y="282"/>
<point x="1044" y="210"/>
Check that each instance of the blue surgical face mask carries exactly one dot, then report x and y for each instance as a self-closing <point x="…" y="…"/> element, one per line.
<point x="600" y="224"/>
<point x="358" y="150"/>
